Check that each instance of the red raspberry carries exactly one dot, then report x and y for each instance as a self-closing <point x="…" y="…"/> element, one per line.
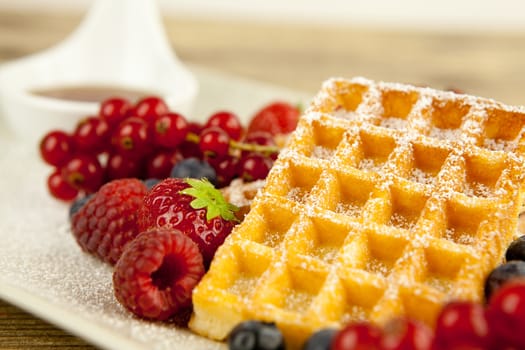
<point x="108" y="221"/>
<point x="276" y="118"/>
<point x="192" y="206"/>
<point x="157" y="272"/>
<point x="506" y="314"/>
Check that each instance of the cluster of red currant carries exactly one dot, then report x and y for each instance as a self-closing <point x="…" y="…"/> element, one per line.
<point x="145" y="140"/>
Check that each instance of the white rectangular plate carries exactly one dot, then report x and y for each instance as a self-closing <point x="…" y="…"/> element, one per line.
<point x="43" y="269"/>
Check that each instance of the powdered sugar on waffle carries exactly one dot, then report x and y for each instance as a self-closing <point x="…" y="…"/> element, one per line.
<point x="241" y="193"/>
<point x="426" y="222"/>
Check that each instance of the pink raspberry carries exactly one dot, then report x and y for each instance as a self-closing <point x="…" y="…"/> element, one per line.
<point x="108" y="221"/>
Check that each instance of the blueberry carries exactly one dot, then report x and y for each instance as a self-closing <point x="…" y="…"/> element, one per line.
<point x="320" y="340"/>
<point x="194" y="168"/>
<point x="255" y="335"/>
<point x="516" y="250"/>
<point x="149" y="183"/>
<point x="78" y="204"/>
<point x="501" y="274"/>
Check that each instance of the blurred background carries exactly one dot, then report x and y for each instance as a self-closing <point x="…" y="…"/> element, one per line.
<point x="474" y="46"/>
<point x="442" y="15"/>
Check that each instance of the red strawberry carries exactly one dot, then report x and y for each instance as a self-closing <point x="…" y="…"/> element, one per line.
<point x="276" y="118"/>
<point x="157" y="272"/>
<point x="192" y="206"/>
<point x="108" y="221"/>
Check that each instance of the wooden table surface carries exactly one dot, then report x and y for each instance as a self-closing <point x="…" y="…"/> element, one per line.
<point x="295" y="56"/>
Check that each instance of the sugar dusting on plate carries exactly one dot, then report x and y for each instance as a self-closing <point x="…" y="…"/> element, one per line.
<point x="39" y="256"/>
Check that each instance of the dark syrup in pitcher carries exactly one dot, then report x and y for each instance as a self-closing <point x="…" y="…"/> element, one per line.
<point x="91" y="93"/>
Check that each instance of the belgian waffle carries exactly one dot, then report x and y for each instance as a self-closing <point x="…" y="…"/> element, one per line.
<point x="389" y="200"/>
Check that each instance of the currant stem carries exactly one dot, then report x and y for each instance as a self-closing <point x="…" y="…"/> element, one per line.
<point x="192" y="137"/>
<point x="252" y="147"/>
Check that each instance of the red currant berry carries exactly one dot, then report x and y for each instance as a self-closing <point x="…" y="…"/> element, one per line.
<point x="462" y="324"/>
<point x="84" y="172"/>
<point x="275" y="118"/>
<point x="506" y="313"/>
<point x="150" y="108"/>
<point x="170" y="130"/>
<point x="214" y="142"/>
<point x="255" y="167"/>
<point x="404" y="334"/>
<point x="59" y="188"/>
<point x="56" y="148"/>
<point x="263" y="138"/>
<point x="228" y="122"/>
<point x="357" y="336"/>
<point x="132" y="138"/>
<point x="226" y="169"/>
<point x="159" y="165"/>
<point x="188" y="148"/>
<point x="114" y="110"/>
<point x="120" y="167"/>
<point x="91" y="135"/>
